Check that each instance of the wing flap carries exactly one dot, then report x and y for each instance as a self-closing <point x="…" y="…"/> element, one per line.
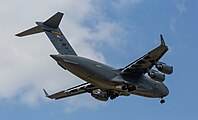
<point x="79" y="89"/>
<point x="64" y="94"/>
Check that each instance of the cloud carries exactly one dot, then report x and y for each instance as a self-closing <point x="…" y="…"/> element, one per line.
<point x="73" y="104"/>
<point x="26" y="67"/>
<point x="172" y="24"/>
<point x="120" y="4"/>
<point x="181" y="6"/>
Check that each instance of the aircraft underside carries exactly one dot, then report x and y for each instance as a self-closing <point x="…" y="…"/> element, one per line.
<point x="102" y="81"/>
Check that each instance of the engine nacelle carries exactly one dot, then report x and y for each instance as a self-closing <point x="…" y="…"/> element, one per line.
<point x="162" y="67"/>
<point x="99" y="95"/>
<point x="156" y="76"/>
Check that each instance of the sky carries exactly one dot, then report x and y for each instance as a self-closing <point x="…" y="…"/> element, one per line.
<point x="114" y="32"/>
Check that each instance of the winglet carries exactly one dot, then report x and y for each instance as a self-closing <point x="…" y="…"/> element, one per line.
<point x="46" y="94"/>
<point x="162" y="40"/>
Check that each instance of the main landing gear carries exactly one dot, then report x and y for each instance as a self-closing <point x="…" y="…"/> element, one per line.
<point x="162" y="101"/>
<point x="129" y="88"/>
<point x="113" y="95"/>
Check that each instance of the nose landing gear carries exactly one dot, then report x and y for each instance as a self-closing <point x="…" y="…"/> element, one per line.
<point x="162" y="101"/>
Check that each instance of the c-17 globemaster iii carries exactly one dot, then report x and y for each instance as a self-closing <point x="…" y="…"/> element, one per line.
<point x="103" y="81"/>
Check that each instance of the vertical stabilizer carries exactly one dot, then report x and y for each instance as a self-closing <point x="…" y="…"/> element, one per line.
<point x="54" y="33"/>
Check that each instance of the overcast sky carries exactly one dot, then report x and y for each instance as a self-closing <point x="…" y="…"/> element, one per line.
<point x="115" y="32"/>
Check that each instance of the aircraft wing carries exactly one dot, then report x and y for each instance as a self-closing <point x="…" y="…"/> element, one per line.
<point x="146" y="62"/>
<point x="83" y="88"/>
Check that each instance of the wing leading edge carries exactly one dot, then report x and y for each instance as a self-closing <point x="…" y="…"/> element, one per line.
<point x="146" y="62"/>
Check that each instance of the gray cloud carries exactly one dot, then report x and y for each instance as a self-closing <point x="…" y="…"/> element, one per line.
<point x="26" y="67"/>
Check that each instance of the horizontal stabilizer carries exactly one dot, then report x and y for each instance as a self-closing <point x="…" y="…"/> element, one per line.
<point x="54" y="21"/>
<point x="30" y="31"/>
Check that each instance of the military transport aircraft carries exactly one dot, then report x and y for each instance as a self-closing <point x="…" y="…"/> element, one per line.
<point x="103" y="81"/>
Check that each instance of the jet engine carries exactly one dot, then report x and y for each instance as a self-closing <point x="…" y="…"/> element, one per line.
<point x="162" y="67"/>
<point x="155" y="75"/>
<point x="99" y="95"/>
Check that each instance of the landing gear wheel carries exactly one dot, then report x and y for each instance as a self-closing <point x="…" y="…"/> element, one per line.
<point x="162" y="101"/>
<point x="124" y="87"/>
<point x="132" y="88"/>
<point x="112" y="97"/>
<point x="116" y="94"/>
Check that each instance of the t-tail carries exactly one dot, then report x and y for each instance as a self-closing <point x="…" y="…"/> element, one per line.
<point x="51" y="28"/>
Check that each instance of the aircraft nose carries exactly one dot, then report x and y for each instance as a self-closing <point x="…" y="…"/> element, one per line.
<point x="165" y="90"/>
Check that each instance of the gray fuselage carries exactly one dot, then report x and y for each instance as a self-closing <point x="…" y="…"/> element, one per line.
<point x="108" y="77"/>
